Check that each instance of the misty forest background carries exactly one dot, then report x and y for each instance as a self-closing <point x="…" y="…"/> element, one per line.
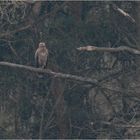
<point x="50" y="107"/>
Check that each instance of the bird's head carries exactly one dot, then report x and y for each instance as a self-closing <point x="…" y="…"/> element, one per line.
<point x="42" y="45"/>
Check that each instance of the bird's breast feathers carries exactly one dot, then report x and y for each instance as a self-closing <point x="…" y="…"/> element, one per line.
<point x="43" y="53"/>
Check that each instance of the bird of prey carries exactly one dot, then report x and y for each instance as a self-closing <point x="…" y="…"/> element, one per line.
<point x="41" y="56"/>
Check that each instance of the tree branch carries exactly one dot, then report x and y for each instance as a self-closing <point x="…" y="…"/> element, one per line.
<point x="51" y="73"/>
<point x="10" y="33"/>
<point x="103" y="49"/>
<point x="121" y="125"/>
<point x="123" y="13"/>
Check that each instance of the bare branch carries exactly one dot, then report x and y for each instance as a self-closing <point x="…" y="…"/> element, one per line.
<point x="121" y="125"/>
<point x="118" y="124"/>
<point x="10" y="33"/>
<point x="104" y="49"/>
<point x="123" y="13"/>
<point x="51" y="73"/>
<point x="28" y="1"/>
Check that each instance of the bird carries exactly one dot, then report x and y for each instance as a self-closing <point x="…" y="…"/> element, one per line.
<point x="41" y="56"/>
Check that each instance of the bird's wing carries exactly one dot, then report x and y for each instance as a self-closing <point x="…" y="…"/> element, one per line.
<point x="36" y="59"/>
<point x="47" y="54"/>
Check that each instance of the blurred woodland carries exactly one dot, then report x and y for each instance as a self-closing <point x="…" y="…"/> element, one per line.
<point x="58" y="108"/>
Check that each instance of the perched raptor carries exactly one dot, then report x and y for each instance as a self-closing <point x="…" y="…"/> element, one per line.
<point x="41" y="56"/>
